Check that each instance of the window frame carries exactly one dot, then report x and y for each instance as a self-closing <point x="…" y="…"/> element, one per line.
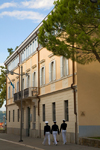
<point x="43" y="112"/>
<point x="66" y="110"/>
<point x="52" y="71"/>
<point x="13" y="115"/>
<point x="54" y="111"/>
<point x="9" y="115"/>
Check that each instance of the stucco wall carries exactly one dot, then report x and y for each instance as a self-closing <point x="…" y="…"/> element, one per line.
<point x="88" y="81"/>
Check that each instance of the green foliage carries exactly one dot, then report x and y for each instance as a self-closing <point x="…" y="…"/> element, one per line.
<point x="73" y="30"/>
<point x="3" y="81"/>
<point x="2" y="86"/>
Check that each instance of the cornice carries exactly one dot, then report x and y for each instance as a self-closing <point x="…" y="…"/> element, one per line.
<point x="34" y="66"/>
<point x="25" y="42"/>
<point x="28" y="70"/>
<point x="51" y="55"/>
<point x="13" y="80"/>
<point x="42" y="61"/>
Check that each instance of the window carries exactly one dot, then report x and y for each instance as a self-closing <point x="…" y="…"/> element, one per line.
<point x="13" y="63"/>
<point x="28" y="81"/>
<point x="66" y="111"/>
<point x="26" y="53"/>
<point x="9" y="92"/>
<point x="33" y="47"/>
<point x="52" y="71"/>
<point x="42" y="76"/>
<point x="18" y="115"/>
<point x="30" y="48"/>
<point x="54" y="111"/>
<point x="13" y="115"/>
<point x="9" y="116"/>
<point x="43" y="112"/>
<point x="13" y="91"/>
<point x="34" y="79"/>
<point x="64" y="66"/>
<point x="18" y="86"/>
<point x="34" y="117"/>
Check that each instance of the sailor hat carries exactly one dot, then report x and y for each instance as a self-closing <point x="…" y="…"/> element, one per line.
<point x="46" y="121"/>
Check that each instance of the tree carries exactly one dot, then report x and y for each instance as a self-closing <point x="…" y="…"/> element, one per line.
<point x="3" y="81"/>
<point x="73" y="30"/>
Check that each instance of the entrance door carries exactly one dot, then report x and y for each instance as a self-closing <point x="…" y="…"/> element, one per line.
<point x="28" y="121"/>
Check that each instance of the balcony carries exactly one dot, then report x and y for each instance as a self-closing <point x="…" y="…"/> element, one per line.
<point x="26" y="93"/>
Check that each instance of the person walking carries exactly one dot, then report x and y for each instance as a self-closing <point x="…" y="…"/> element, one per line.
<point x="63" y="129"/>
<point x="55" y="131"/>
<point x="46" y="133"/>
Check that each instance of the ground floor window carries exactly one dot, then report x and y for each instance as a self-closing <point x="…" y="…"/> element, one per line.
<point x="18" y="115"/>
<point x="43" y="112"/>
<point x="66" y="110"/>
<point x="54" y="111"/>
<point x="9" y="116"/>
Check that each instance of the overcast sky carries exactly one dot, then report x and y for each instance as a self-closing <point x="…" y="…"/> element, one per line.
<point x="18" y="18"/>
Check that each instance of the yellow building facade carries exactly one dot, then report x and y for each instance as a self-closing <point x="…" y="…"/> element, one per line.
<point x="47" y="93"/>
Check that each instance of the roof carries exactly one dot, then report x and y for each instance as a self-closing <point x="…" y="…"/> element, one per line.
<point x="16" y="52"/>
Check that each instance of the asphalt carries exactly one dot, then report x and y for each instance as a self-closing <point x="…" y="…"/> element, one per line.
<point x="11" y="142"/>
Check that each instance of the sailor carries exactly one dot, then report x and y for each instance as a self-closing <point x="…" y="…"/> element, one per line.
<point x="63" y="128"/>
<point x="55" y="131"/>
<point x="46" y="133"/>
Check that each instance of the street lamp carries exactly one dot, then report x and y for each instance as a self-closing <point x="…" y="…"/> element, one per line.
<point x="11" y="72"/>
<point x="93" y="1"/>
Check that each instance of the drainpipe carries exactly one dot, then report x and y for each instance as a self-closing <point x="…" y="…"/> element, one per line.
<point x="39" y="91"/>
<point x="74" y="92"/>
<point x="19" y="70"/>
<point x="38" y="83"/>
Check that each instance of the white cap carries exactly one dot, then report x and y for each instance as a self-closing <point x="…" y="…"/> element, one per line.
<point x="63" y="119"/>
<point x="46" y="121"/>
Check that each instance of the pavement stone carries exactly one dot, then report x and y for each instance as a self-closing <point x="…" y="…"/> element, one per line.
<point x="36" y="143"/>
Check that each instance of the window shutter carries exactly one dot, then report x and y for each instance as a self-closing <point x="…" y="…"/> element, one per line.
<point x="40" y="76"/>
<point x="67" y="68"/>
<point x="61" y="66"/>
<point x="44" y="75"/>
<point x="50" y="72"/>
<point x="54" y="71"/>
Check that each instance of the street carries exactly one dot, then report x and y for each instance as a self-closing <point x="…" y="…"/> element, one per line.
<point x="10" y="142"/>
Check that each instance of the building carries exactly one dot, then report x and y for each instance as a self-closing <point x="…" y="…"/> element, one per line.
<point x="47" y="93"/>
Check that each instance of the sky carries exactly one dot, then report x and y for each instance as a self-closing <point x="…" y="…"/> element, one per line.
<point x="18" y="18"/>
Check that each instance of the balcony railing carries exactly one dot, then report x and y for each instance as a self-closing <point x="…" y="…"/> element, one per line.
<point x="26" y="93"/>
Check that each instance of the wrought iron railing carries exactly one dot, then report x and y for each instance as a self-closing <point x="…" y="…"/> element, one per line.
<point x="26" y="93"/>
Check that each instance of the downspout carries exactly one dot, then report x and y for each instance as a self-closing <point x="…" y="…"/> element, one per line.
<point x="39" y="90"/>
<point x="38" y="83"/>
<point x="74" y="91"/>
<point x="19" y="70"/>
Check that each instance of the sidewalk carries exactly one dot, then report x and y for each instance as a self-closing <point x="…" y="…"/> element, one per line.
<point x="37" y="143"/>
